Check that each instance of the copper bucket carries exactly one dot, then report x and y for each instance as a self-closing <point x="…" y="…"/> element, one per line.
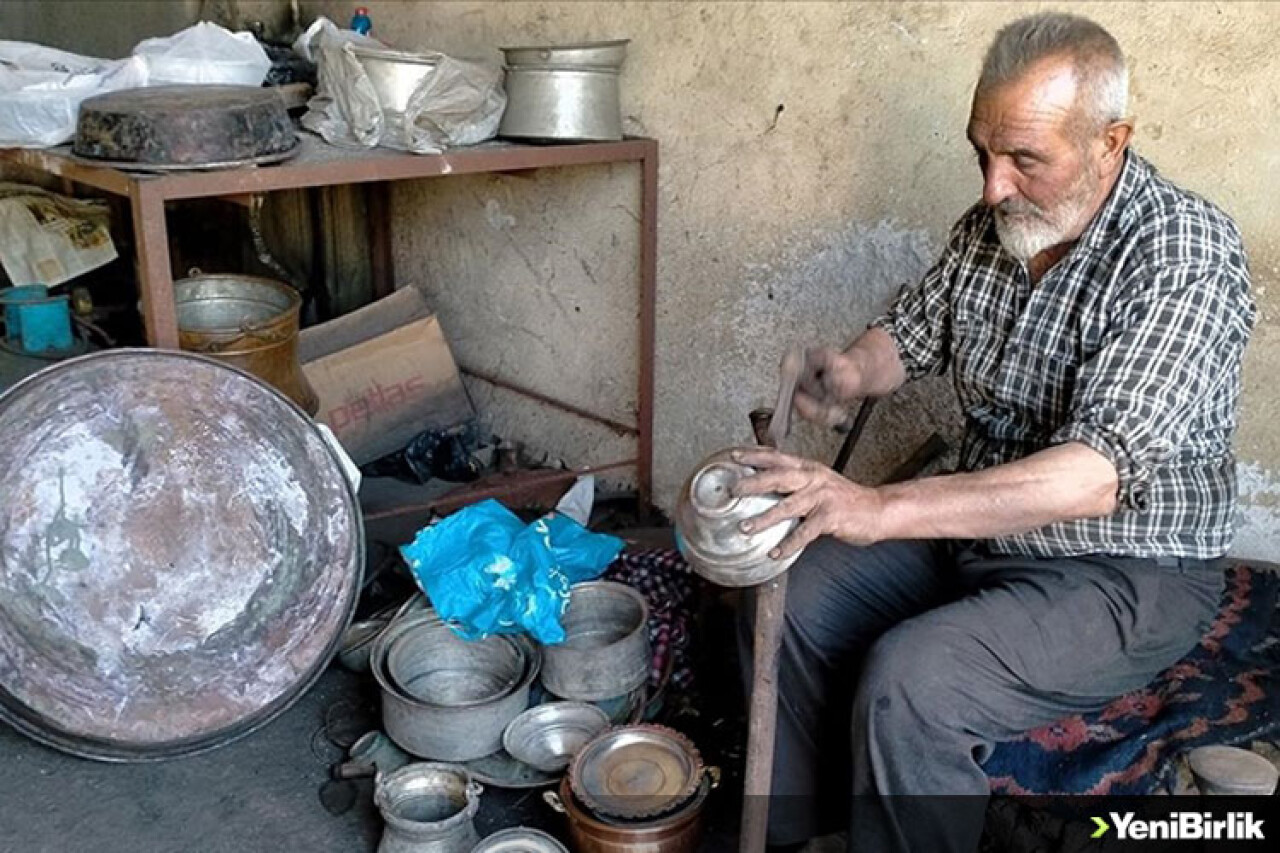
<point x="248" y="322"/>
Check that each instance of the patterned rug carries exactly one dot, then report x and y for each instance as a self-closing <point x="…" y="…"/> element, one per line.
<point x="1226" y="691"/>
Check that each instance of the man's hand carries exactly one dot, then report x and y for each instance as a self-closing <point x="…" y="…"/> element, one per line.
<point x="826" y="502"/>
<point x="830" y="382"/>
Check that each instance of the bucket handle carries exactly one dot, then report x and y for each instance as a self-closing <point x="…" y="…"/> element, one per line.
<point x="552" y="799"/>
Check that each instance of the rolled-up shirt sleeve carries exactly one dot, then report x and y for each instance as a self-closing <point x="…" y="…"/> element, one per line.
<point x="919" y="321"/>
<point x="1177" y="335"/>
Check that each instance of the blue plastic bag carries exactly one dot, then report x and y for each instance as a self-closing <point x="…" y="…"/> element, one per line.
<point x="487" y="572"/>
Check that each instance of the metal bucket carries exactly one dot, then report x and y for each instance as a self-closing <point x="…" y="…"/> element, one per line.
<point x="428" y="808"/>
<point x="567" y="92"/>
<point x="249" y="322"/>
<point x="176" y="574"/>
<point x="442" y="732"/>
<point x="606" y="649"/>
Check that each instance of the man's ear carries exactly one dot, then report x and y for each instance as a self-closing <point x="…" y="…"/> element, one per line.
<point x="1115" y="139"/>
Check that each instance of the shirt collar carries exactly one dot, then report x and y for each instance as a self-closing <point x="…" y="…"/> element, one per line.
<point x="1116" y="210"/>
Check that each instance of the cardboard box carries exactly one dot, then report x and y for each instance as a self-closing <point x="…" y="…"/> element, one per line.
<point x="382" y="380"/>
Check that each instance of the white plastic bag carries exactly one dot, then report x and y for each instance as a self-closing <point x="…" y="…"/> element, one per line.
<point x="204" y="53"/>
<point x="344" y="110"/>
<point x="41" y="89"/>
<point x="459" y="103"/>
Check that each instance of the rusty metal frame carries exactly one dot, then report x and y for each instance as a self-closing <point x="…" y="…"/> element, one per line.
<point x="319" y="165"/>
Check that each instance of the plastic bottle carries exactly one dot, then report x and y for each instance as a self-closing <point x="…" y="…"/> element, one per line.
<point x="361" y="22"/>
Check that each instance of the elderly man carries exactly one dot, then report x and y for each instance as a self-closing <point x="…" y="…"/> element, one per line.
<point x="1093" y="317"/>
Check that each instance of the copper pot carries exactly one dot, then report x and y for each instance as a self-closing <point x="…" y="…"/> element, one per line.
<point x="678" y="832"/>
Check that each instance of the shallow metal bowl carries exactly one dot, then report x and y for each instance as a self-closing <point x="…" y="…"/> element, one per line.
<point x="547" y="736"/>
<point x="520" y="839"/>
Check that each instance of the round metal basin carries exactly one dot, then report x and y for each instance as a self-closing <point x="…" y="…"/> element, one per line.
<point x="183" y="560"/>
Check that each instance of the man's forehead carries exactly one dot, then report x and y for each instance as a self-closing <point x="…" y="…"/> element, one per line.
<point x="1040" y="101"/>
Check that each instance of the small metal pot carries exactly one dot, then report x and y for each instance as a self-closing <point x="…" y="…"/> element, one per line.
<point x="357" y="642"/>
<point x="678" y="832"/>
<point x="442" y="732"/>
<point x="395" y="74"/>
<point x="248" y="322"/>
<point x="432" y="664"/>
<point x="605" y="653"/>
<point x="428" y="808"/>
<point x="567" y="92"/>
<point x="707" y="518"/>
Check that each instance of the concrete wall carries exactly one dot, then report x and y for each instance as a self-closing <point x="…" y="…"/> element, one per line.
<point x="813" y="157"/>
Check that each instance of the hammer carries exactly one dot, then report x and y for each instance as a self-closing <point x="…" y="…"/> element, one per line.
<point x="771" y="429"/>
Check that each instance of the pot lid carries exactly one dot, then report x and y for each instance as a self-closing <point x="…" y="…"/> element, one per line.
<point x="636" y="771"/>
<point x="520" y="839"/>
<point x="184" y="561"/>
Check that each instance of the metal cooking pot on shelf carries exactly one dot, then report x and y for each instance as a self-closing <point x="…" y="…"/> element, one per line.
<point x="566" y="92"/>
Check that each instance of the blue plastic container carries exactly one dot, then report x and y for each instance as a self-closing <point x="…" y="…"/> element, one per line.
<point x="35" y="321"/>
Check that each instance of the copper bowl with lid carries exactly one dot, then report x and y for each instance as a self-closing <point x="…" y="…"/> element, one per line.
<point x="707" y="532"/>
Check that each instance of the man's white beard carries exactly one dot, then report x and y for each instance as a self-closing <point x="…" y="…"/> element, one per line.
<point x="1025" y="229"/>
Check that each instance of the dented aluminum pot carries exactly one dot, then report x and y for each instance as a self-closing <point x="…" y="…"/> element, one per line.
<point x="458" y="732"/>
<point x="707" y="520"/>
<point x="605" y="653"/>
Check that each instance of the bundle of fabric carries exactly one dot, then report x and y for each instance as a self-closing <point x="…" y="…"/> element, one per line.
<point x="1226" y="691"/>
<point x="664" y="579"/>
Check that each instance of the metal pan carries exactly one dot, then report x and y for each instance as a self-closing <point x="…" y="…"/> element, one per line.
<point x="184" y="560"/>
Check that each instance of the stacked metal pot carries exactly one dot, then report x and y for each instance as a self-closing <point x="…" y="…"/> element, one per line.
<point x="635" y="788"/>
<point x="445" y="699"/>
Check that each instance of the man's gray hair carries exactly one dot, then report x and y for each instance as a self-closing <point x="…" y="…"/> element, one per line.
<point x="1102" y="79"/>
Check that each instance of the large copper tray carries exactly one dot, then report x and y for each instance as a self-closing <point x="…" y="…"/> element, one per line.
<point x="179" y="554"/>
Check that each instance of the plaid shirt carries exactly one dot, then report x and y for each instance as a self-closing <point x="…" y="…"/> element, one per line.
<point x="1130" y="344"/>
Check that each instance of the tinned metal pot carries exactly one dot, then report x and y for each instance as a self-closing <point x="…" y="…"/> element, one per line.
<point x="678" y="832"/>
<point x="395" y="74"/>
<point x="248" y="322"/>
<point x="708" y="515"/>
<point x="567" y="92"/>
<point x="427" y="808"/>
<point x="606" y="648"/>
<point x="458" y="732"/>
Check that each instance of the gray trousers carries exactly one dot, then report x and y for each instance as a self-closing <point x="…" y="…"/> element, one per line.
<point x="903" y="663"/>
